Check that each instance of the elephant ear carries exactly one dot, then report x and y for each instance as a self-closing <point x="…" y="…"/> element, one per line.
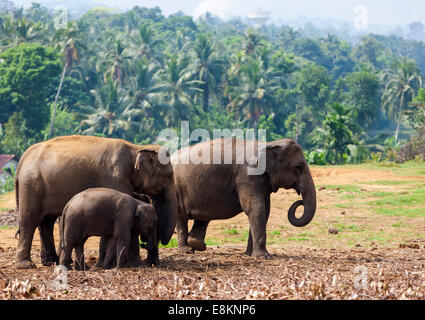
<point x="146" y="161"/>
<point x="270" y="154"/>
<point x="279" y="152"/>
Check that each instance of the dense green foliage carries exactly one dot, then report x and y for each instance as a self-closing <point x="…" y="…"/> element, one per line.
<point x="129" y="75"/>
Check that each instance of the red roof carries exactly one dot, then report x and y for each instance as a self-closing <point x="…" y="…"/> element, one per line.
<point x="5" y="158"/>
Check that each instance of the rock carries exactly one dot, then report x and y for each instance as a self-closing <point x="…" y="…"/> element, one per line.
<point x="333" y="231"/>
<point x="343" y="212"/>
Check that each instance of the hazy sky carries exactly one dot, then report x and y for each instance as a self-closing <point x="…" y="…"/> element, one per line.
<point x="388" y="12"/>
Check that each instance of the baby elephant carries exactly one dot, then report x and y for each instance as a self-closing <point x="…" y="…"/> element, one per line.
<point x="105" y="213"/>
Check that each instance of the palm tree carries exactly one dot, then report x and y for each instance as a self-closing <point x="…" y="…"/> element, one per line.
<point x="110" y="115"/>
<point x="253" y="95"/>
<point x="71" y="41"/>
<point x="337" y="132"/>
<point x="145" y="42"/>
<point x="7" y="31"/>
<point x="402" y="81"/>
<point x="178" y="86"/>
<point x="26" y="30"/>
<point x="208" y="68"/>
<point x="145" y="92"/>
<point x="116" y="62"/>
<point x="252" y="40"/>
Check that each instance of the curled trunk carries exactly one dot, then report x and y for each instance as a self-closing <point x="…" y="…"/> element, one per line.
<point x="309" y="202"/>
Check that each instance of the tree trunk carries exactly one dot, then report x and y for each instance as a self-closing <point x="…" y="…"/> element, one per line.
<point x="397" y="130"/>
<point x="206" y="97"/>
<point x="52" y="123"/>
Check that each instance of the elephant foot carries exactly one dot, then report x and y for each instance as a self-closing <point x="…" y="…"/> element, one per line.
<point x="261" y="254"/>
<point x="99" y="264"/>
<point x="66" y="265"/>
<point x="185" y="249"/>
<point x="196" y="244"/>
<point x="79" y="267"/>
<point x="135" y="263"/>
<point x="25" y="264"/>
<point x="49" y="261"/>
<point x="153" y="261"/>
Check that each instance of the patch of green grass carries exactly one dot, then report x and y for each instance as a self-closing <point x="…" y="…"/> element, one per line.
<point x="408" y="204"/>
<point x="274" y="233"/>
<point x="5" y="227"/>
<point x="355" y="228"/>
<point x="390" y="182"/>
<point x="381" y="194"/>
<point x="348" y="205"/>
<point x="297" y="239"/>
<point x="172" y="244"/>
<point x="415" y="198"/>
<point x="380" y="239"/>
<point x="212" y="242"/>
<point x="352" y="196"/>
<point x="232" y="231"/>
<point x="404" y="212"/>
<point x="399" y="225"/>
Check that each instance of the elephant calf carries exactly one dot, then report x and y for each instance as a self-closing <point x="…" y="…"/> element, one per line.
<point x="106" y="213"/>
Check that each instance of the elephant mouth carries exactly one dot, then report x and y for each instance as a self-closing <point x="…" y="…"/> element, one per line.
<point x="295" y="187"/>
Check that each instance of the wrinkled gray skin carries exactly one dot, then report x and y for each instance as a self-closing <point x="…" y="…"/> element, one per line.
<point x="208" y="192"/>
<point x="106" y="213"/>
<point x="108" y="246"/>
<point x="50" y="173"/>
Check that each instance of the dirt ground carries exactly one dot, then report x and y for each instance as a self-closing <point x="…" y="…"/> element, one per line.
<point x="369" y="257"/>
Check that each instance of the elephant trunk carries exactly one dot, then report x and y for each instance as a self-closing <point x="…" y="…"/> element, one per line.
<point x="308" y="193"/>
<point x="166" y="208"/>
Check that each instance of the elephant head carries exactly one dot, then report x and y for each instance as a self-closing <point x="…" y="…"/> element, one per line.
<point x="146" y="223"/>
<point x="287" y="168"/>
<point x="155" y="179"/>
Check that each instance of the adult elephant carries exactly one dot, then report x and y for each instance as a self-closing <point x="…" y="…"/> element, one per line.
<point x="50" y="173"/>
<point x="208" y="191"/>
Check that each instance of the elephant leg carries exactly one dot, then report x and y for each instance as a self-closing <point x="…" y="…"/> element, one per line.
<point x="123" y="247"/>
<point x="182" y="232"/>
<point x="134" y="259"/>
<point x="79" y="256"/>
<point x="153" y="257"/>
<point x="249" y="246"/>
<point x="66" y="257"/>
<point x="27" y="226"/>
<point x="48" y="252"/>
<point x="255" y="206"/>
<point x="197" y="235"/>
<point x="111" y="254"/>
<point x="103" y="244"/>
<point x="248" y="250"/>
<point x="59" y="247"/>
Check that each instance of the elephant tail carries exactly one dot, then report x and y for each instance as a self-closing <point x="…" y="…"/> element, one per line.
<point x="62" y="227"/>
<point x="17" y="192"/>
<point x="17" y="203"/>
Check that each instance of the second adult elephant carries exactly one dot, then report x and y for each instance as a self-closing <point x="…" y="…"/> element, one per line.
<point x="50" y="173"/>
<point x="208" y="191"/>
